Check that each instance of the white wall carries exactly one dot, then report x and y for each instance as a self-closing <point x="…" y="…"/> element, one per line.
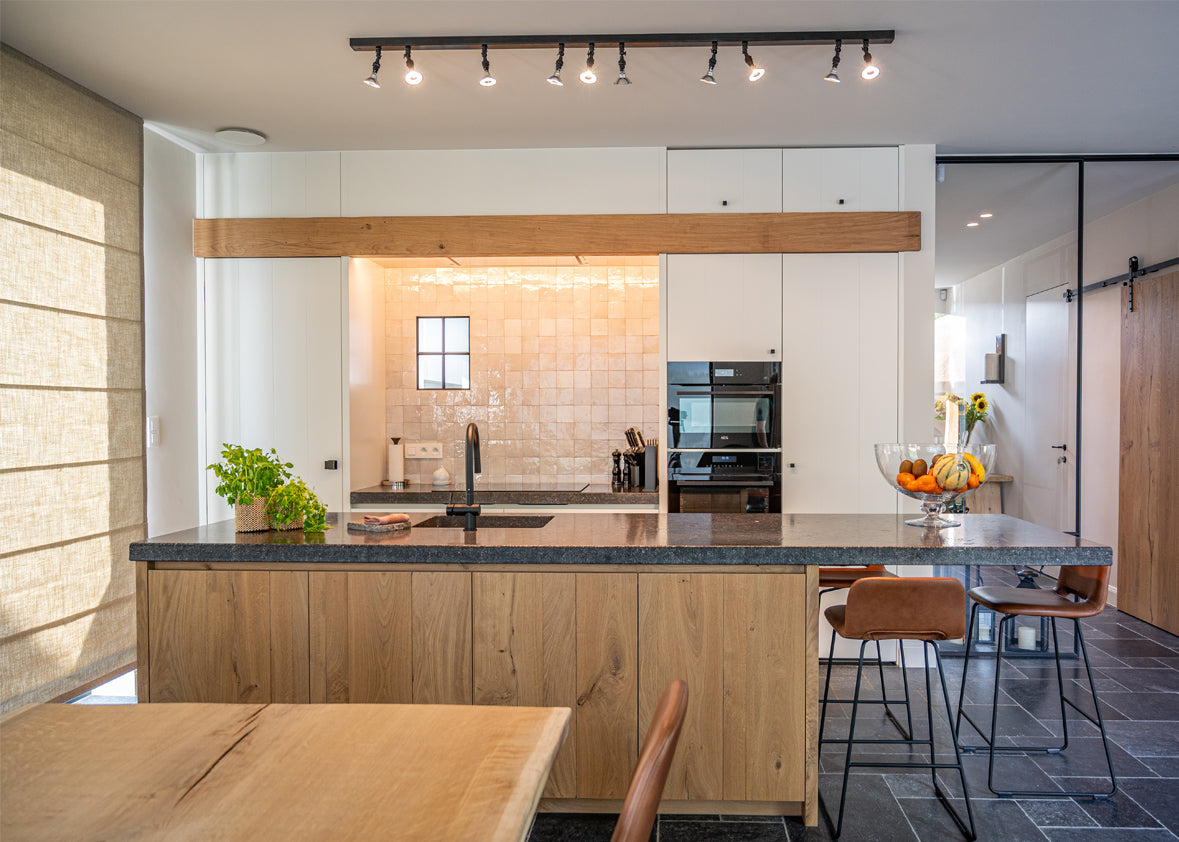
<point x="171" y="322"/>
<point x="994" y="302"/>
<point x="366" y="374"/>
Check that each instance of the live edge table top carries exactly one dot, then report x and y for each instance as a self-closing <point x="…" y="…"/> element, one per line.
<point x="598" y="538"/>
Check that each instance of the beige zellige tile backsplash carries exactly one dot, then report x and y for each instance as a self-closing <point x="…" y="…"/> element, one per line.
<point x="563" y="360"/>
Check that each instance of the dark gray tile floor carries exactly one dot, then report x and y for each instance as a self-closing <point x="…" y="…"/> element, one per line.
<point x="1136" y="668"/>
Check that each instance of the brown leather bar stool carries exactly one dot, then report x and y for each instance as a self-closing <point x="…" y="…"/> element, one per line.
<point x="925" y="609"/>
<point x="841" y="578"/>
<point x="1080" y="592"/>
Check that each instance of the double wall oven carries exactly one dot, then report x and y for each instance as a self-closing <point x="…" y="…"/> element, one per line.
<point x="724" y="441"/>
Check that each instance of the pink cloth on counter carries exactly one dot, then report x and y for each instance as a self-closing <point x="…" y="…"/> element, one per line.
<point x="386" y="519"/>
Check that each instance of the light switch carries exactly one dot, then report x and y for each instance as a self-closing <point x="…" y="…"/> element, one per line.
<point x="153" y="431"/>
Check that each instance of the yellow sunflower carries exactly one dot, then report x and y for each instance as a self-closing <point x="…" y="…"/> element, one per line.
<point x="980" y="404"/>
<point x="978" y="396"/>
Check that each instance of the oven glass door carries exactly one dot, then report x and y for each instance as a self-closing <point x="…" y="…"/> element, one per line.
<point x="720" y="416"/>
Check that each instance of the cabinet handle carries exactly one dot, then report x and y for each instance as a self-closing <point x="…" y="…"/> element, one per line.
<point x="773" y="350"/>
<point x="725" y="202"/>
<point x="841" y="201"/>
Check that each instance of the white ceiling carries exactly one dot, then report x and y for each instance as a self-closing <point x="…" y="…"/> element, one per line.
<point x="976" y="76"/>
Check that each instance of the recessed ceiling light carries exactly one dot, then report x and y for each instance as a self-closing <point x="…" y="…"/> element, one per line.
<point x="240" y="136"/>
<point x="985" y="215"/>
<point x="971" y="224"/>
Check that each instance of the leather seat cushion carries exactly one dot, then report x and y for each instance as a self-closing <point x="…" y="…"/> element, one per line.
<point x="1031" y="602"/>
<point x="843" y="577"/>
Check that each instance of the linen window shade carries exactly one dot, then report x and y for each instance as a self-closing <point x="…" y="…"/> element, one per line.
<point x="72" y="471"/>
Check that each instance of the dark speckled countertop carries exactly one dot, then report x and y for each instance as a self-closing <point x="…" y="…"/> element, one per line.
<point x="493" y="493"/>
<point x="641" y="538"/>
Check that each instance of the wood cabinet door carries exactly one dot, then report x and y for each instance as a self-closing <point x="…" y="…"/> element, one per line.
<point x="226" y="636"/>
<point x="441" y="638"/>
<point x="765" y="661"/>
<point x="681" y="635"/>
<point x="606" y="740"/>
<point x="524" y="652"/>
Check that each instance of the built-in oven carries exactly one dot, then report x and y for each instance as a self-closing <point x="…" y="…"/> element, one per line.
<point x="717" y="405"/>
<point x="746" y="482"/>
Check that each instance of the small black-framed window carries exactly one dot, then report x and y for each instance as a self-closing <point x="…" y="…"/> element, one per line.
<point x="444" y="352"/>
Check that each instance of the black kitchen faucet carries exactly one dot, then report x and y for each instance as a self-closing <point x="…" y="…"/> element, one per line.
<point x="474" y="466"/>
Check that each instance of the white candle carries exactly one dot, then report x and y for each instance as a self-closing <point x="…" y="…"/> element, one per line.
<point x="1027" y="638"/>
<point x="951" y="426"/>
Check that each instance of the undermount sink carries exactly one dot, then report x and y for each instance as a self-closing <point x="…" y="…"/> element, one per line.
<point x="486" y="521"/>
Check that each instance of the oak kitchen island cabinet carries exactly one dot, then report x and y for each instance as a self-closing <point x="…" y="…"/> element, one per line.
<point x="596" y="612"/>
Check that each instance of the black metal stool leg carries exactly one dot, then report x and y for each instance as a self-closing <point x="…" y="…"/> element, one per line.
<point x="826" y="692"/>
<point x="965" y="667"/>
<point x="837" y="827"/>
<point x="908" y="735"/>
<point x="971" y="832"/>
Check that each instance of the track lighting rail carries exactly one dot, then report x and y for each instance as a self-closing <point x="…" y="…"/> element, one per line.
<point x="657" y="39"/>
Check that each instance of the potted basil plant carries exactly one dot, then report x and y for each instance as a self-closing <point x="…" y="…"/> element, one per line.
<point x="295" y="506"/>
<point x="246" y="479"/>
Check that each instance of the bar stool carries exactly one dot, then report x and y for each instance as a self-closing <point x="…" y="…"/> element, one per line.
<point x="841" y="578"/>
<point x="1080" y="592"/>
<point x="925" y="609"/>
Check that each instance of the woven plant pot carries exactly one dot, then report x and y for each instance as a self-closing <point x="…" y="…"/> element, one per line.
<point x="297" y="523"/>
<point x="252" y="517"/>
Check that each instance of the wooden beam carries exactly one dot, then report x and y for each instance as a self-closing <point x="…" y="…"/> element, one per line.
<point x="517" y="236"/>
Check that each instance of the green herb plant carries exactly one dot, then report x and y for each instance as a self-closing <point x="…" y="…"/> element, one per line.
<point x="245" y="474"/>
<point x="295" y="500"/>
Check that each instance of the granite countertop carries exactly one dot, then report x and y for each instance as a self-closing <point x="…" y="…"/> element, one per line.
<point x="491" y="493"/>
<point x="641" y="538"/>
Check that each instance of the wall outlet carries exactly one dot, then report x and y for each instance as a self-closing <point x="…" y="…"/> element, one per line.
<point x="423" y="450"/>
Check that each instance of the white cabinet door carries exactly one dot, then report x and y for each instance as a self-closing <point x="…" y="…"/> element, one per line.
<point x="274" y="349"/>
<point x="724" y="307"/>
<point x="840" y="179"/>
<point x="841" y="347"/>
<point x="724" y="181"/>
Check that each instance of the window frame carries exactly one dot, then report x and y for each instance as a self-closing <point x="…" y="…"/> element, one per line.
<point x="443" y="353"/>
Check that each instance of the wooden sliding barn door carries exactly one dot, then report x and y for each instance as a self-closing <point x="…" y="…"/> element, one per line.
<point x="1148" y="509"/>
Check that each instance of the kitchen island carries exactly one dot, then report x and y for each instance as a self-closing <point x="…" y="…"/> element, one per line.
<point x="596" y="612"/>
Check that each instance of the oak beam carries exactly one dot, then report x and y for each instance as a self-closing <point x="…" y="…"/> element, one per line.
<point x="597" y="234"/>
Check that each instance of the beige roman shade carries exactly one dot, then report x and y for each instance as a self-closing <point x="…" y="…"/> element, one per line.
<point x="71" y="382"/>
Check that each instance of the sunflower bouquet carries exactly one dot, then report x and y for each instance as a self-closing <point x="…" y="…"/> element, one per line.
<point x="976" y="410"/>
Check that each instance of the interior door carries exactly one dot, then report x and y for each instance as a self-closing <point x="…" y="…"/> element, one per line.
<point x="1049" y="469"/>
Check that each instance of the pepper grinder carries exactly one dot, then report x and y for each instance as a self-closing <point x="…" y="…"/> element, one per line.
<point x="616" y="473"/>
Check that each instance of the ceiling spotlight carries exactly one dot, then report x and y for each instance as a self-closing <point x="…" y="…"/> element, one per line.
<point x="588" y="76"/>
<point x="372" y="79"/>
<point x="870" y="71"/>
<point x="488" y="80"/>
<point x="555" y="79"/>
<point x="708" y="78"/>
<point x="622" y="80"/>
<point x="412" y="77"/>
<point x="985" y="215"/>
<point x="833" y="76"/>
<point x="755" y="72"/>
<point x="971" y="224"/>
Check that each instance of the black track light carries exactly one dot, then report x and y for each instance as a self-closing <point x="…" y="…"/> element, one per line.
<point x="708" y="78"/>
<point x="870" y="71"/>
<point x="588" y="76"/>
<point x="372" y="79"/>
<point x="412" y="76"/>
<point x="622" y="80"/>
<point x="833" y="76"/>
<point x="755" y="72"/>
<point x="488" y="80"/>
<point x="555" y="79"/>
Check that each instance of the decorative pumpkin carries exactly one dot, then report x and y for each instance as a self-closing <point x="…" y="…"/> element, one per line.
<point x="951" y="472"/>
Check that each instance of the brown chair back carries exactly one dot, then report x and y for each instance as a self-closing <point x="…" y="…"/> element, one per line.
<point x="905" y="608"/>
<point x="1088" y="583"/>
<point x="646" y="785"/>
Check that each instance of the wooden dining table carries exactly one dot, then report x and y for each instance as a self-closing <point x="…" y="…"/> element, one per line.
<point x="290" y="772"/>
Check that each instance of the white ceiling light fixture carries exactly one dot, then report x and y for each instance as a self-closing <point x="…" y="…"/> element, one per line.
<point x="555" y="79"/>
<point x="833" y="74"/>
<point x="622" y="80"/>
<point x="985" y="215"/>
<point x="240" y="137"/>
<point x="708" y="78"/>
<point x="870" y="71"/>
<point x="971" y="224"/>
<point x="755" y="72"/>
<point x="412" y="75"/>
<point x="588" y="76"/>
<point x="371" y="81"/>
<point x="488" y="80"/>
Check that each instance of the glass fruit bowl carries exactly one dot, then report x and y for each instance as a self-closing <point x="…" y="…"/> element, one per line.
<point x="933" y="480"/>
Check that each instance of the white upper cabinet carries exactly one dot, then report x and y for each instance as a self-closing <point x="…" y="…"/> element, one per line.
<point x="724" y="307"/>
<point x="724" y="181"/>
<point x="840" y="179"/>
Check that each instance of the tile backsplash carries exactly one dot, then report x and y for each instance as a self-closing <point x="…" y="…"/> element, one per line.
<point x="563" y="360"/>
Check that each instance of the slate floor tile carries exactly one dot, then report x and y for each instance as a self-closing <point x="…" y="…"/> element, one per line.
<point x="872" y="813"/>
<point x="1126" y="647"/>
<point x="1164" y="767"/>
<point x="1120" y="810"/>
<point x="1145" y="739"/>
<point x="993" y="820"/>
<point x="717" y="831"/>
<point x="1159" y="795"/>
<point x="1101" y="834"/>
<point x="1160" y="680"/>
<point x="1045" y="812"/>
<point x="573" y="827"/>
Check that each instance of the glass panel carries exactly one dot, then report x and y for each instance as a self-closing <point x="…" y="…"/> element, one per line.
<point x="430" y="335"/>
<point x="696" y="415"/>
<point x="429" y="371"/>
<point x="458" y="371"/>
<point x="458" y="334"/>
<point x="739" y="415"/>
